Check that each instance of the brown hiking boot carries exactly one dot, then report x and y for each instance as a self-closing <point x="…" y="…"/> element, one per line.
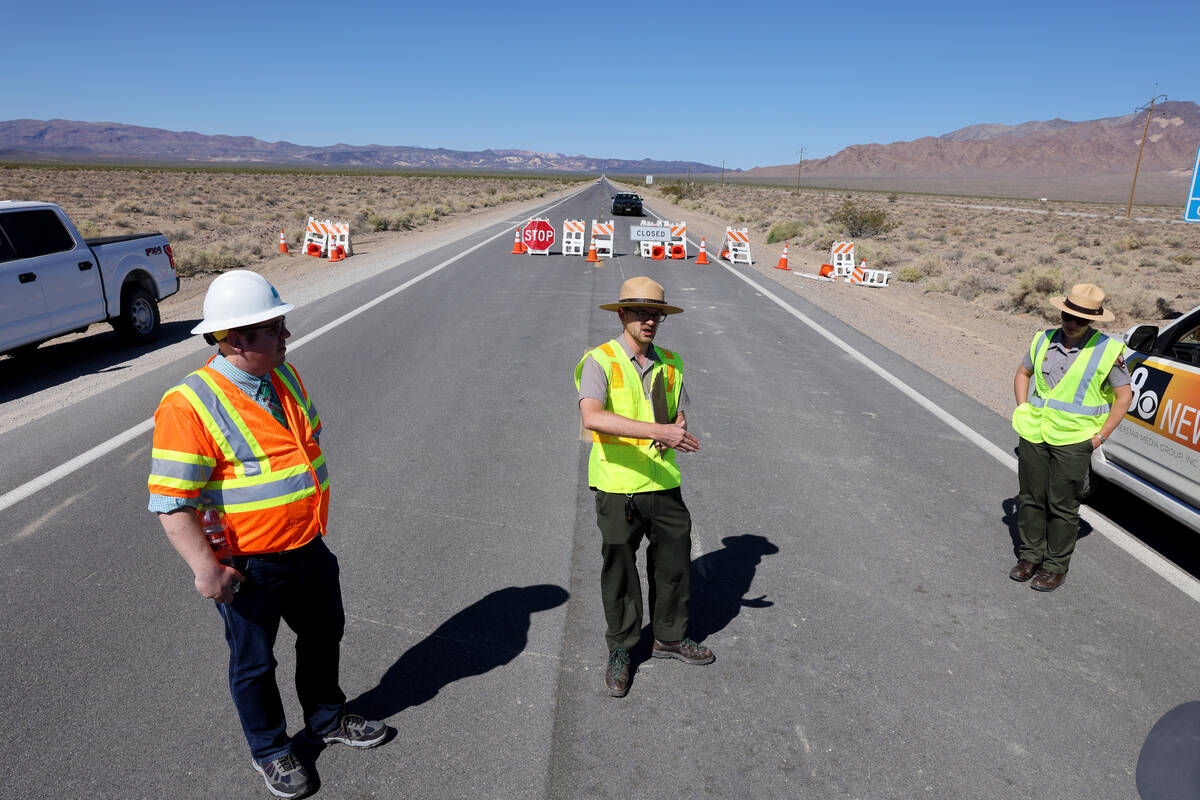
<point x="685" y="650"/>
<point x="616" y="675"/>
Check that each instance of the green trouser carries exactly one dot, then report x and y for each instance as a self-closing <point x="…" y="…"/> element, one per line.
<point x="663" y="518"/>
<point x="1051" y="479"/>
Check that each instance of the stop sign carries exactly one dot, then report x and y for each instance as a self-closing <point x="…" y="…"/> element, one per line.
<point x="538" y="235"/>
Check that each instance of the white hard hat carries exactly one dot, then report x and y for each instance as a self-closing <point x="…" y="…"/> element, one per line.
<point x="240" y="297"/>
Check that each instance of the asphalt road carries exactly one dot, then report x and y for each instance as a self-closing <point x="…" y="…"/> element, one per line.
<point x="850" y="570"/>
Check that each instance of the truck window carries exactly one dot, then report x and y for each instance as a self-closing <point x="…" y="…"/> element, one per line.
<point x="6" y="251"/>
<point x="36" y="232"/>
<point x="1187" y="347"/>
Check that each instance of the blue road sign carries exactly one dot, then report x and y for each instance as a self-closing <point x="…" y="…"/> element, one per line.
<point x="1192" y="213"/>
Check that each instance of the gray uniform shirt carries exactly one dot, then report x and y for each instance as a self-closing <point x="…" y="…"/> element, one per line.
<point x="1059" y="358"/>
<point x="594" y="383"/>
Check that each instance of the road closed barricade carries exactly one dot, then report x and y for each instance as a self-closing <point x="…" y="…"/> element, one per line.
<point x="573" y="237"/>
<point x="602" y="235"/>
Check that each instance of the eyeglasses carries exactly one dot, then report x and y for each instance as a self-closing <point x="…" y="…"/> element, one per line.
<point x="643" y="315"/>
<point x="277" y="325"/>
<point x="1074" y="319"/>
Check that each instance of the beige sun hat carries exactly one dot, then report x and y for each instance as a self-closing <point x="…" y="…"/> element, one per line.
<point x="1085" y="300"/>
<point x="642" y="292"/>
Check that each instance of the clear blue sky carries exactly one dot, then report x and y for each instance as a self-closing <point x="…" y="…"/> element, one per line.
<point x="747" y="83"/>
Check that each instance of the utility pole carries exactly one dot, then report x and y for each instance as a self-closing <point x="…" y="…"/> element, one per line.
<point x="1149" y="109"/>
<point x="798" y="163"/>
<point x="722" y="172"/>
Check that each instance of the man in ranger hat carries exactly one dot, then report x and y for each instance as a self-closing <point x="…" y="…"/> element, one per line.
<point x="240" y="436"/>
<point x="632" y="399"/>
<point x="1078" y="395"/>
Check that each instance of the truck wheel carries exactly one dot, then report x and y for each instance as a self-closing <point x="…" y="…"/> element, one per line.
<point x="138" y="323"/>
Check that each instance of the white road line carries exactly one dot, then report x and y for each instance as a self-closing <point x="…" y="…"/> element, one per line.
<point x="1152" y="560"/>
<point x="104" y="448"/>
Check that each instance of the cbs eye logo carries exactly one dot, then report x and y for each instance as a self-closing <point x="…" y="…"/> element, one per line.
<point x="1149" y="385"/>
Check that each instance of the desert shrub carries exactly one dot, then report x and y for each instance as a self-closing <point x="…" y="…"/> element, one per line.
<point x="376" y="223"/>
<point x="984" y="260"/>
<point x="909" y="274"/>
<point x="1045" y="259"/>
<point x="876" y="255"/>
<point x="968" y="288"/>
<point x="1182" y="258"/>
<point x="938" y="286"/>
<point x="861" y="222"/>
<point x="931" y="264"/>
<point x="1130" y="242"/>
<point x="124" y="207"/>
<point x="1031" y="288"/>
<point x="1170" y="267"/>
<point x="893" y="197"/>
<point x="783" y="231"/>
<point x="680" y="190"/>
<point x="87" y="228"/>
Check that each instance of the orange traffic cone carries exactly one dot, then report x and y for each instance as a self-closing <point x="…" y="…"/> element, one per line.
<point x="283" y="243"/>
<point x="592" y="250"/>
<point x="518" y="245"/>
<point x="658" y="252"/>
<point x="725" y="254"/>
<point x="783" y="259"/>
<point x="702" y="258"/>
<point x="336" y="254"/>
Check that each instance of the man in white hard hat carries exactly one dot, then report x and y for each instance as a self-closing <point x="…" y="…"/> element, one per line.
<point x="631" y="398"/>
<point x="240" y="435"/>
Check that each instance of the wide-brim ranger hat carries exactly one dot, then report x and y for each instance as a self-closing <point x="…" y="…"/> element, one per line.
<point x="642" y="292"/>
<point x="1085" y="300"/>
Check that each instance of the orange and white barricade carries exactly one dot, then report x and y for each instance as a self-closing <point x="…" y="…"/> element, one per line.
<point x="316" y="237"/>
<point x="677" y="247"/>
<point x="841" y="257"/>
<point x="646" y="246"/>
<point x="573" y="237"/>
<point x="602" y="234"/>
<point x="737" y="245"/>
<point x="868" y="277"/>
<point x="340" y="239"/>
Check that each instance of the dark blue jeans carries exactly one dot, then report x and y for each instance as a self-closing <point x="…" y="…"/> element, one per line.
<point x="300" y="587"/>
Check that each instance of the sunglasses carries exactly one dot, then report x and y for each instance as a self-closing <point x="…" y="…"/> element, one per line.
<point x="642" y="315"/>
<point x="1076" y="320"/>
<point x="276" y="326"/>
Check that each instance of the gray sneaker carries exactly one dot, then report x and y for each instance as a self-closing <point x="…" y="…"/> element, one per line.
<point x="284" y="775"/>
<point x="356" y="731"/>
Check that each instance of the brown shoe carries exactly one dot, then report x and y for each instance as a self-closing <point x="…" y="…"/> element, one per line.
<point x="1023" y="571"/>
<point x="685" y="650"/>
<point x="1047" y="581"/>
<point x="616" y="675"/>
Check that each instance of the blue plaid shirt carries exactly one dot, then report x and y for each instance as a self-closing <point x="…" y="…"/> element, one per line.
<point x="251" y="385"/>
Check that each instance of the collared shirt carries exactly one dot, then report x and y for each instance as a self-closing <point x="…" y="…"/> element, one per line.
<point x="1059" y="358"/>
<point x="252" y="387"/>
<point x="593" y="382"/>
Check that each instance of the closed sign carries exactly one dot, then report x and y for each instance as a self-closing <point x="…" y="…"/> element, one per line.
<point x="649" y="233"/>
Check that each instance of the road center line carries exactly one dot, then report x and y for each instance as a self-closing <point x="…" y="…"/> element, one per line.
<point x="1152" y="560"/>
<point x="80" y="461"/>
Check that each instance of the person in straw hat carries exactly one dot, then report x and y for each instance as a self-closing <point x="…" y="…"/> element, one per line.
<point x="632" y="399"/>
<point x="1078" y="395"/>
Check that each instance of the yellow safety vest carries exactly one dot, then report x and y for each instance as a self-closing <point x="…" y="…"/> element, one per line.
<point x="1075" y="409"/>
<point x="621" y="464"/>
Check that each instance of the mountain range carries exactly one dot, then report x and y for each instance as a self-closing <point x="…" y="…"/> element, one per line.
<point x="1038" y="149"/>
<point x="1054" y="147"/>
<point x="66" y="140"/>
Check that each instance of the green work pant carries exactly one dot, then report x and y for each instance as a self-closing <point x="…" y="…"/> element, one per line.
<point x="663" y="518"/>
<point x="1051" y="479"/>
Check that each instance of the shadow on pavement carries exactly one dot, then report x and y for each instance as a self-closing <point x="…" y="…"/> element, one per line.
<point x="57" y="362"/>
<point x="722" y="579"/>
<point x="484" y="635"/>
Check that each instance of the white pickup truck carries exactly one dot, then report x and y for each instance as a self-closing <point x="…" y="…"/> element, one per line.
<point x="53" y="281"/>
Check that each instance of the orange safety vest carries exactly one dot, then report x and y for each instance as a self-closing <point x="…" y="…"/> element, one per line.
<point x="212" y="441"/>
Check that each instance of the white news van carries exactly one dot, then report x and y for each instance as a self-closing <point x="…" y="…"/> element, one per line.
<point x="53" y="281"/>
<point x="1155" y="452"/>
